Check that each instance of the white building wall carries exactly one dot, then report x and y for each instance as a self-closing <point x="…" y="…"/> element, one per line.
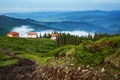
<point x="53" y="38"/>
<point x="32" y="36"/>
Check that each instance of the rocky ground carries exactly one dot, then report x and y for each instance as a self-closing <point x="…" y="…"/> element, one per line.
<point x="28" y="70"/>
<point x="18" y="71"/>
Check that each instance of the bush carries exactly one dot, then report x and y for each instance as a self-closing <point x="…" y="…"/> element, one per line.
<point x="83" y="56"/>
<point x="63" y="51"/>
<point x="114" y="59"/>
<point x="88" y="54"/>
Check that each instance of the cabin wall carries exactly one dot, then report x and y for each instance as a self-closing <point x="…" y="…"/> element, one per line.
<point x="32" y="36"/>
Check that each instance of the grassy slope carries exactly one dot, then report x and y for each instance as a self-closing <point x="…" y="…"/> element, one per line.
<point x="33" y="49"/>
<point x="93" y="53"/>
<point x="43" y="51"/>
<point x="6" y="60"/>
<point x="38" y="45"/>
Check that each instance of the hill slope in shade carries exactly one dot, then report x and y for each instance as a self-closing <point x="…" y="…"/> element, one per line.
<point x="106" y="19"/>
<point x="90" y="21"/>
<point x="8" y="23"/>
<point x="73" y="26"/>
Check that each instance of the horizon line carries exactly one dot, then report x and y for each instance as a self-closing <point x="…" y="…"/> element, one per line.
<point x="55" y="11"/>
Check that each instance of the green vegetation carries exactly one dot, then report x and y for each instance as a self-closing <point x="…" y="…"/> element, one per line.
<point x="104" y="50"/>
<point x="20" y="45"/>
<point x="63" y="51"/>
<point x="33" y="49"/>
<point x="67" y="39"/>
<point x="6" y="60"/>
<point x="93" y="53"/>
<point x="37" y="58"/>
<point x="114" y="59"/>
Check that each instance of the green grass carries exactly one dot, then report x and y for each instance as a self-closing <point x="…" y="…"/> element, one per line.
<point x="89" y="52"/>
<point x="6" y="60"/>
<point x="63" y="51"/>
<point x="36" y="58"/>
<point x="38" y="45"/>
<point x="33" y="49"/>
<point x="41" y="50"/>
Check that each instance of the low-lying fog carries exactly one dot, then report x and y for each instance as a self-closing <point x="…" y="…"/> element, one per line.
<point x="23" y="30"/>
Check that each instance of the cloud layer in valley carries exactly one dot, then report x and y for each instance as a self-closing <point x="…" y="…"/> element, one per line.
<point x="76" y="32"/>
<point x="23" y="30"/>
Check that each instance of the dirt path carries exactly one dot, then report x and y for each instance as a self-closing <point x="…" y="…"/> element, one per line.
<point x="28" y="70"/>
<point x="18" y="71"/>
<point x="7" y="52"/>
<point x="21" y="61"/>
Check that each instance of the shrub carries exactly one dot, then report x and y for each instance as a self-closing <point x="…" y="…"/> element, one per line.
<point x="63" y="51"/>
<point x="113" y="59"/>
<point x="90" y="55"/>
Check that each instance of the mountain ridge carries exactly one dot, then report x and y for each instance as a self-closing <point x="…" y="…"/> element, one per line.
<point x="90" y="21"/>
<point x="8" y="23"/>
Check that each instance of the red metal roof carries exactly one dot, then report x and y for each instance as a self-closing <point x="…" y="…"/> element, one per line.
<point x="55" y="35"/>
<point x="13" y="33"/>
<point x="32" y="33"/>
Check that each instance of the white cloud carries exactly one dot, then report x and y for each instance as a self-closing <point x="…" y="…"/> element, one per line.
<point x="78" y="33"/>
<point x="23" y="30"/>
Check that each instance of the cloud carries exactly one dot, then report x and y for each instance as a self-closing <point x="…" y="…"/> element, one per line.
<point x="23" y="30"/>
<point x="78" y="33"/>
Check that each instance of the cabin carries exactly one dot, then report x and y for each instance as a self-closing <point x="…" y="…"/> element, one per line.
<point x="32" y="35"/>
<point x="13" y="34"/>
<point x="54" y="36"/>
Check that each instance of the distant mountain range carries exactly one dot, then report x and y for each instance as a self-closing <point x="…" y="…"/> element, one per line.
<point x="90" y="21"/>
<point x="8" y="23"/>
<point x="72" y="26"/>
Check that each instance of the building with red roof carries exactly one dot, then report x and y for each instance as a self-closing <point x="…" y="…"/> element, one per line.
<point x="54" y="36"/>
<point x="32" y="35"/>
<point x="13" y="34"/>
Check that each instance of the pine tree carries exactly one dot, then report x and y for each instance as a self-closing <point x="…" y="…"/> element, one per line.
<point x="45" y="35"/>
<point x="40" y="35"/>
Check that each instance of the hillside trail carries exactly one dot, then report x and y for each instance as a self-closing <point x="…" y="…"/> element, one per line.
<point x="28" y="70"/>
<point x="21" y="61"/>
<point x="16" y="71"/>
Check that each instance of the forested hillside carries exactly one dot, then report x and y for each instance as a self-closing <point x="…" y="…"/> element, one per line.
<point x="8" y="23"/>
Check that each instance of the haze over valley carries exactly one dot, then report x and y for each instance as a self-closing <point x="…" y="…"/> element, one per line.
<point x="94" y="21"/>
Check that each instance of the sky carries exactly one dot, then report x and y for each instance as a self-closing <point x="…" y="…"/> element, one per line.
<point x="57" y="5"/>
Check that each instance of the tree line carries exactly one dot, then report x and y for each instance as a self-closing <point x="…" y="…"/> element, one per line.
<point x="67" y="39"/>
